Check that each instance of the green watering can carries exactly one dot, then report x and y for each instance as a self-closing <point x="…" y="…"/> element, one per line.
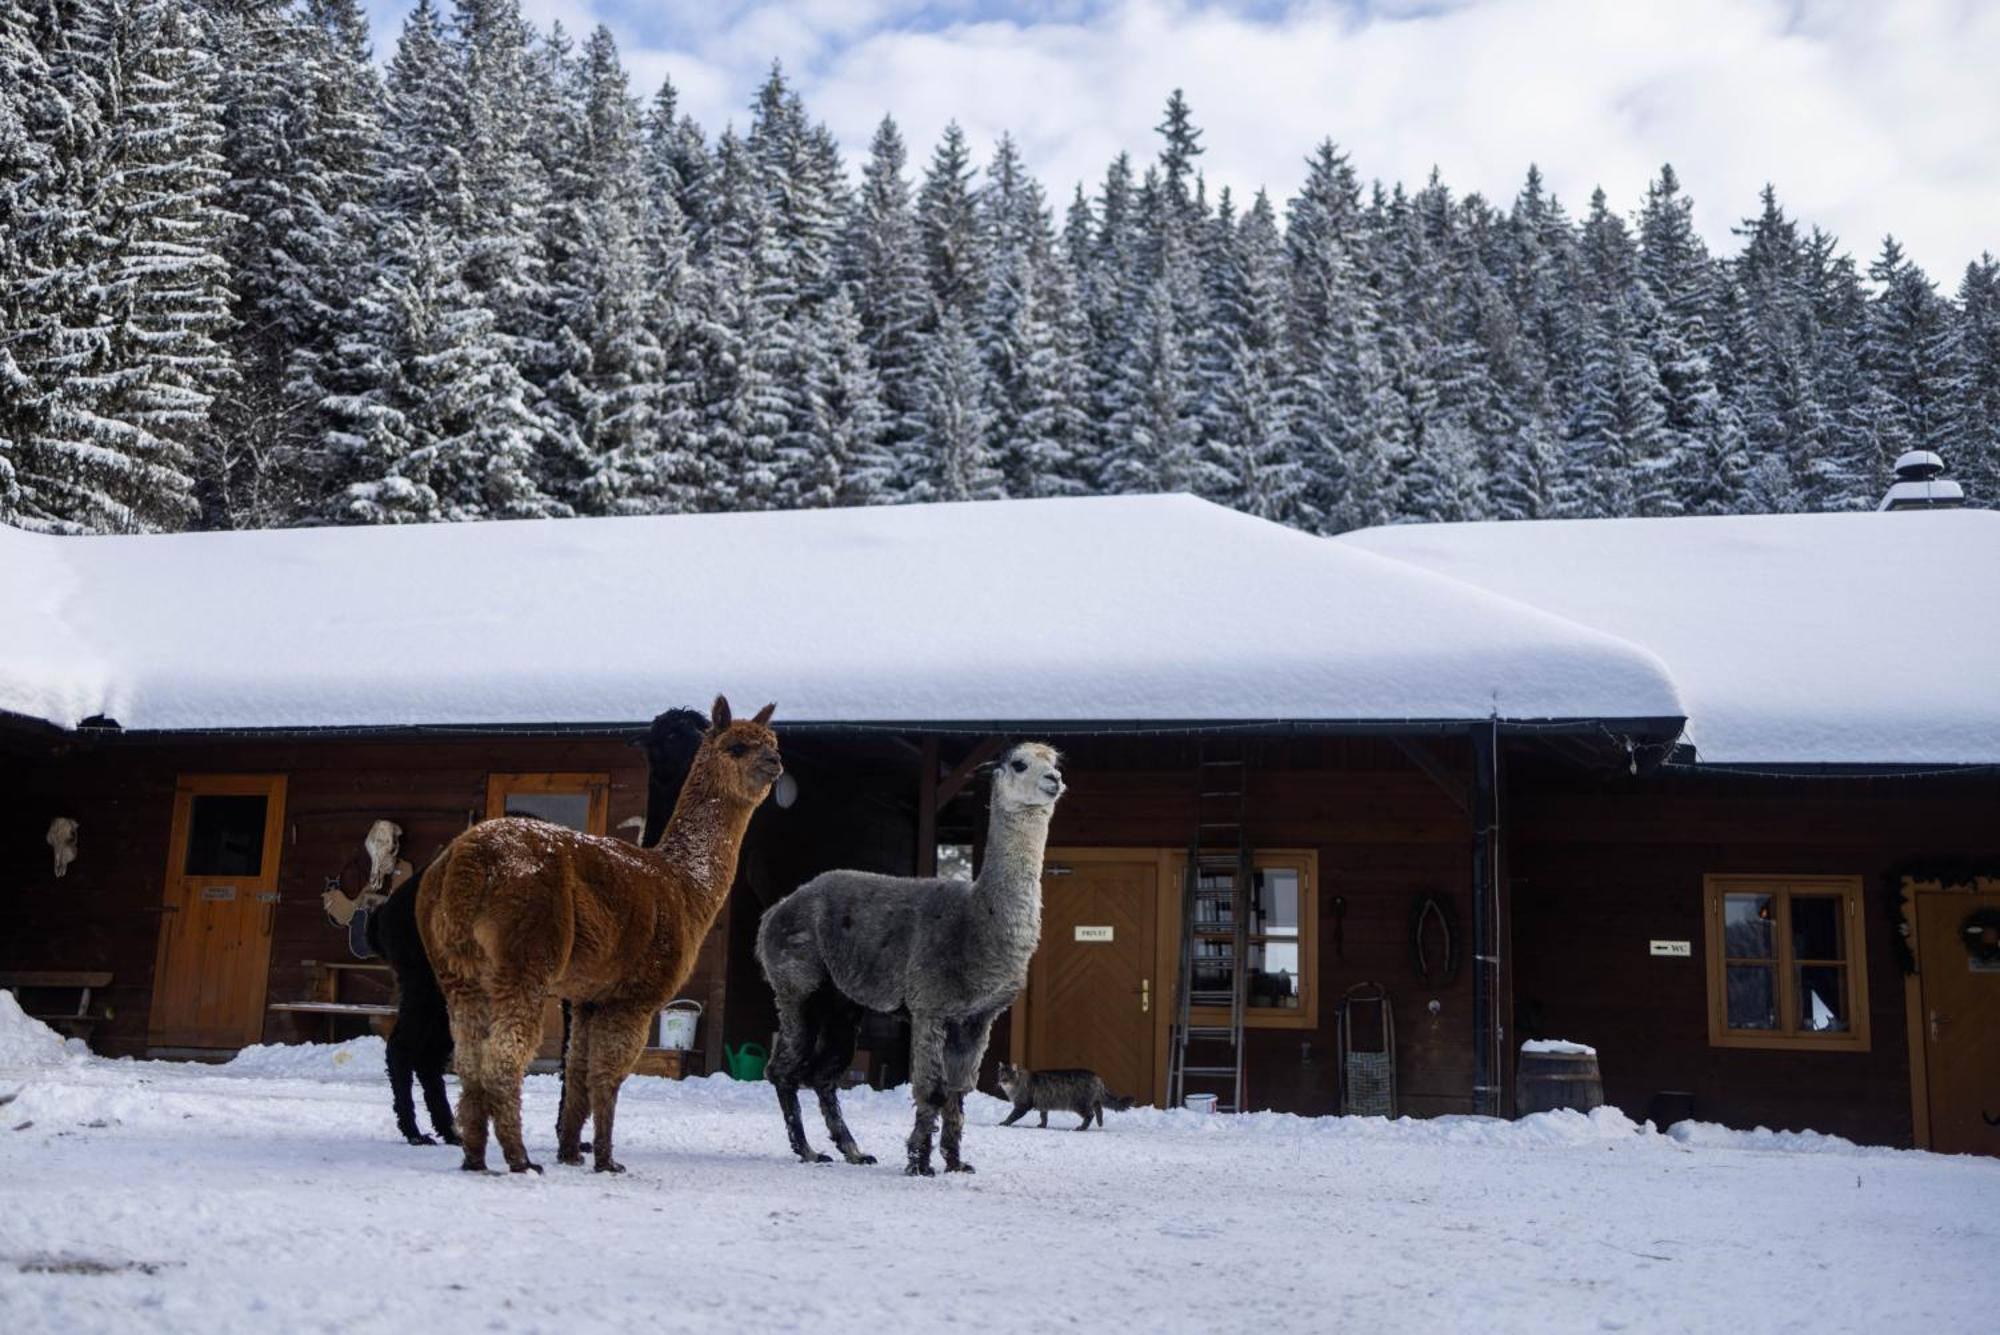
<point x="746" y="1061"/>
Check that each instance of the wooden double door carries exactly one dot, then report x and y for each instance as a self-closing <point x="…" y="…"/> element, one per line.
<point x="1960" y="978"/>
<point x="1096" y="985"/>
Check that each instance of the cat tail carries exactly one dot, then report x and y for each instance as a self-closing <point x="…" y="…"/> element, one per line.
<point x="1118" y="1104"/>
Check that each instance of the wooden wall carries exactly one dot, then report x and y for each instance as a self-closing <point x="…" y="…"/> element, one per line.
<point x="1599" y="869"/>
<point x="105" y="913"/>
<point x="1384" y="833"/>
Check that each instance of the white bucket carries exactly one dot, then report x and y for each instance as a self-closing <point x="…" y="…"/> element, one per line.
<point x="1201" y="1103"/>
<point x="677" y="1023"/>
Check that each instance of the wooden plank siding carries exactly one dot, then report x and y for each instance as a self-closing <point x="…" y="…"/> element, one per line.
<point x="1596" y="867"/>
<point x="1600" y="869"/>
<point x="105" y="913"/>
<point x="1384" y="833"/>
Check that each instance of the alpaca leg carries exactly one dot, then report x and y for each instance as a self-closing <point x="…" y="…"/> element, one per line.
<point x="617" y="1037"/>
<point x="431" y="1074"/>
<point x="830" y="1063"/>
<point x="516" y="1033"/>
<point x="964" y="1046"/>
<point x="1020" y="1111"/>
<point x="401" y="1072"/>
<point x="1084" y="1113"/>
<point x="927" y="1087"/>
<point x="797" y="1039"/>
<point x="575" y="1084"/>
<point x="1099" y="1110"/>
<point x="1044" y="1123"/>
<point x="468" y="1032"/>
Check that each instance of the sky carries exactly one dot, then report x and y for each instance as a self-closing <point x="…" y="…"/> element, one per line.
<point x="1869" y="116"/>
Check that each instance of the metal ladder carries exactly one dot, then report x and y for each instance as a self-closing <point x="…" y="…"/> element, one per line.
<point x="1215" y="898"/>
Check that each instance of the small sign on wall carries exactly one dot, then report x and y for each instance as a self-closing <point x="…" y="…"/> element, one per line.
<point x="1093" y="933"/>
<point x="1674" y="949"/>
<point x="218" y="893"/>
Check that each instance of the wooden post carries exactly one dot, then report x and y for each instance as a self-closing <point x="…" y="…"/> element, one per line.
<point x="927" y="804"/>
<point x="1486" y="1076"/>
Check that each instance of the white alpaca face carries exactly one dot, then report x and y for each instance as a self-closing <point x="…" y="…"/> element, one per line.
<point x="1029" y="775"/>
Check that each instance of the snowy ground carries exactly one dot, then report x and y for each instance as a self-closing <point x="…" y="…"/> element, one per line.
<point x="272" y="1194"/>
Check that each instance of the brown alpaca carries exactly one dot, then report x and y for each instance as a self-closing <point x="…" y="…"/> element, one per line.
<point x="517" y="911"/>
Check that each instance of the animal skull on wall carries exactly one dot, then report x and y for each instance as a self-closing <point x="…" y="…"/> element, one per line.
<point x="384" y="838"/>
<point x="62" y="838"/>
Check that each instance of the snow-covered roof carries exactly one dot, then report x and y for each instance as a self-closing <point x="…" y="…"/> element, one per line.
<point x="1817" y="639"/>
<point x="1119" y="609"/>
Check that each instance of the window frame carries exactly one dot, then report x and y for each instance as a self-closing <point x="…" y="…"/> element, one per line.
<point x="1854" y="937"/>
<point x="1305" y="862"/>
<point x="596" y="787"/>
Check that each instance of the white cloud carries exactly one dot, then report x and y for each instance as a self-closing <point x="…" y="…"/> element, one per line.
<point x="1868" y="117"/>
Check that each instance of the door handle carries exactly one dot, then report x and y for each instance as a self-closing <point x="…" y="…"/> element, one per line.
<point x="1145" y="996"/>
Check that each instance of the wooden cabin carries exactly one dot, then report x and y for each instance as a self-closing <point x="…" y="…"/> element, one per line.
<point x="1715" y="797"/>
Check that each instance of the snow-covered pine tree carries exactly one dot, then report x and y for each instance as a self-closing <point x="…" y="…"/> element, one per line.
<point x="1344" y="420"/>
<point x="804" y="189"/>
<point x="738" y="353"/>
<point x="1906" y="356"/>
<point x="249" y="470"/>
<point x="1617" y="430"/>
<point x="1972" y="359"/>
<point x="30" y="107"/>
<point x="1019" y="332"/>
<point x="882" y="265"/>
<point x="954" y="450"/>
<point x="327" y="255"/>
<point x="1701" y="461"/>
<point x="605" y="362"/>
<point x="948" y="228"/>
<point x="1245" y="429"/>
<point x="137" y="414"/>
<point x="431" y="416"/>
<point x="840" y="459"/>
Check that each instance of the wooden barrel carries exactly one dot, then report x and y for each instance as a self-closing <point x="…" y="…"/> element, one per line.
<point x="1564" y="1078"/>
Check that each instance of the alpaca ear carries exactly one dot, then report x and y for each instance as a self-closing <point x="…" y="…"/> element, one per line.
<point x="719" y="716"/>
<point x="764" y="714"/>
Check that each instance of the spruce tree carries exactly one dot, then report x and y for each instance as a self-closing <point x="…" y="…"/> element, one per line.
<point x="883" y="268"/>
<point x="948" y="227"/>
<point x="1972" y="358"/>
<point x="954" y="452"/>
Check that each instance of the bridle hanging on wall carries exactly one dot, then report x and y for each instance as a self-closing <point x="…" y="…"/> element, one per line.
<point x="1432" y="914"/>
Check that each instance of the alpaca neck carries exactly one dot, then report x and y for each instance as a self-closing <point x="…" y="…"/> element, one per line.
<point x="703" y="838"/>
<point x="1010" y="882"/>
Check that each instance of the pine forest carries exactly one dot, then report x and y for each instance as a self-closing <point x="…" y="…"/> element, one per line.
<point x="251" y="277"/>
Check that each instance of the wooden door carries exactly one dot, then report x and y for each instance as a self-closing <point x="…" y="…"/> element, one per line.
<point x="1093" y="986"/>
<point x="1961" y="1022"/>
<point x="219" y="902"/>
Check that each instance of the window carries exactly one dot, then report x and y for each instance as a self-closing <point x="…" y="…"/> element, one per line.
<point x="1281" y="943"/>
<point x="225" y="834"/>
<point x="1786" y="968"/>
<point x="579" y="801"/>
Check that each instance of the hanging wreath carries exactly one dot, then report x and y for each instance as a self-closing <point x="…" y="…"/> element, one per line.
<point x="1897" y="885"/>
<point x="1980" y="935"/>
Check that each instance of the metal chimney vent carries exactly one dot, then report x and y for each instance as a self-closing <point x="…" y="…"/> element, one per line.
<point x="1921" y="485"/>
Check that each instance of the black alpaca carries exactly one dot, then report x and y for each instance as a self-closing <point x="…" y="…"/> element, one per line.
<point x="420" y="1046"/>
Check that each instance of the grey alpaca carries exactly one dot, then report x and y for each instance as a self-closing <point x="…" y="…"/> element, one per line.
<point x="952" y="953"/>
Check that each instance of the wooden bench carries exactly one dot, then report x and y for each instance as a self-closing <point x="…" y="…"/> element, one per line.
<point x="325" y="997"/>
<point x="77" y="1023"/>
